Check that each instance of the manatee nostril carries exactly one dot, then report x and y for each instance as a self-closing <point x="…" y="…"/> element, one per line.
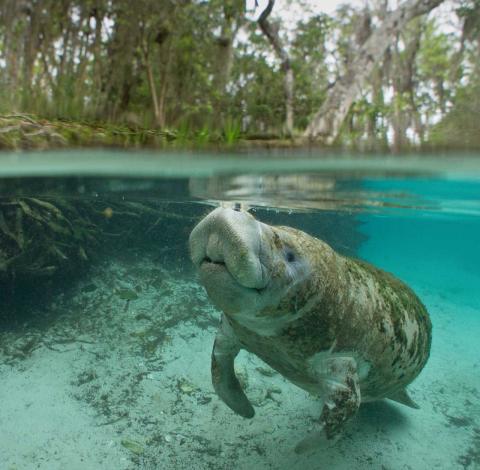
<point x="290" y="256"/>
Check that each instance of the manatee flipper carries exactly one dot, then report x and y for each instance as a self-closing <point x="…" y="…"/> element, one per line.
<point x="404" y="398"/>
<point x="225" y="382"/>
<point x="338" y="382"/>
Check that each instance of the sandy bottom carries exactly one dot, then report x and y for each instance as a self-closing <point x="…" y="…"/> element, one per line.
<point x="118" y="377"/>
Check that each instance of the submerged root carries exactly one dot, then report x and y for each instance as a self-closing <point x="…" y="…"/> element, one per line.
<point x="41" y="237"/>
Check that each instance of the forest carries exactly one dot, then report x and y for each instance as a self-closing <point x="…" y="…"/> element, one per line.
<point x="383" y="75"/>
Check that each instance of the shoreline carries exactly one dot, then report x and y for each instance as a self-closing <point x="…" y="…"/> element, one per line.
<point x="23" y="131"/>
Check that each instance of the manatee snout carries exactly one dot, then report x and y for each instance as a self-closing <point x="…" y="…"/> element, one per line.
<point x="227" y="247"/>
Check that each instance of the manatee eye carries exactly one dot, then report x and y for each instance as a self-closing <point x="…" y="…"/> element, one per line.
<point x="290" y="256"/>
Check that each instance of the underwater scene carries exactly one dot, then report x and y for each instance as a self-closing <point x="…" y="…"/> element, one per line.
<point x="119" y="274"/>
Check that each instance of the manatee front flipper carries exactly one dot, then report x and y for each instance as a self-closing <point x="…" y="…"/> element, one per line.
<point x="224" y="380"/>
<point x="338" y="382"/>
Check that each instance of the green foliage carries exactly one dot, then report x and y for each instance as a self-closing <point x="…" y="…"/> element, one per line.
<point x="203" y="136"/>
<point x="469" y="13"/>
<point x="183" y="133"/>
<point x="257" y="90"/>
<point x="309" y="51"/>
<point x="435" y="58"/>
<point x="231" y="131"/>
<point x="460" y="128"/>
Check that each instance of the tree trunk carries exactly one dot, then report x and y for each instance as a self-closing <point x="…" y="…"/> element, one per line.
<point x="159" y="117"/>
<point x="232" y="19"/>
<point x="373" y="140"/>
<point x="271" y="32"/>
<point x="404" y="107"/>
<point x="399" y="122"/>
<point x="163" y="90"/>
<point x="232" y="9"/>
<point x="30" y="49"/>
<point x="327" y="122"/>
<point x="97" y="61"/>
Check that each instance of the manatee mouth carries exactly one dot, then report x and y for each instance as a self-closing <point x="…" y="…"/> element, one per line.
<point x="228" y="246"/>
<point x="208" y="260"/>
<point x="209" y="267"/>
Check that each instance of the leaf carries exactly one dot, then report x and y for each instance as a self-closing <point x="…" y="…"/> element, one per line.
<point x="127" y="294"/>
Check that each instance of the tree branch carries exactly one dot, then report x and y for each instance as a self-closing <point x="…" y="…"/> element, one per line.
<point x="327" y="122"/>
<point x="271" y="33"/>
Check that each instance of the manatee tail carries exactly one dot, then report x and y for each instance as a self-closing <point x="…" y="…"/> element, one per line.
<point x="404" y="398"/>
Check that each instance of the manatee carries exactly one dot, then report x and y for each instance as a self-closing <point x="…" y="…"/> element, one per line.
<point x="337" y="327"/>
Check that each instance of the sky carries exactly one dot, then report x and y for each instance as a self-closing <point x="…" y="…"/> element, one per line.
<point x="290" y="11"/>
<point x="294" y="12"/>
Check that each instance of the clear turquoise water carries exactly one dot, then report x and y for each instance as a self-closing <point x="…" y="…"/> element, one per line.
<point x="434" y="244"/>
<point x="418" y="218"/>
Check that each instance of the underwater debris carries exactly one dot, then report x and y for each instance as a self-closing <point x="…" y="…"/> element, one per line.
<point x="149" y="339"/>
<point x="88" y="288"/>
<point x="108" y="212"/>
<point x="242" y="376"/>
<point x="186" y="387"/>
<point x="204" y="400"/>
<point x="471" y="458"/>
<point x="127" y="294"/>
<point x="143" y="316"/>
<point x="85" y="377"/>
<point x="23" y="347"/>
<point x="133" y="446"/>
<point x="267" y="372"/>
<point x="270" y="394"/>
<point x="459" y="421"/>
